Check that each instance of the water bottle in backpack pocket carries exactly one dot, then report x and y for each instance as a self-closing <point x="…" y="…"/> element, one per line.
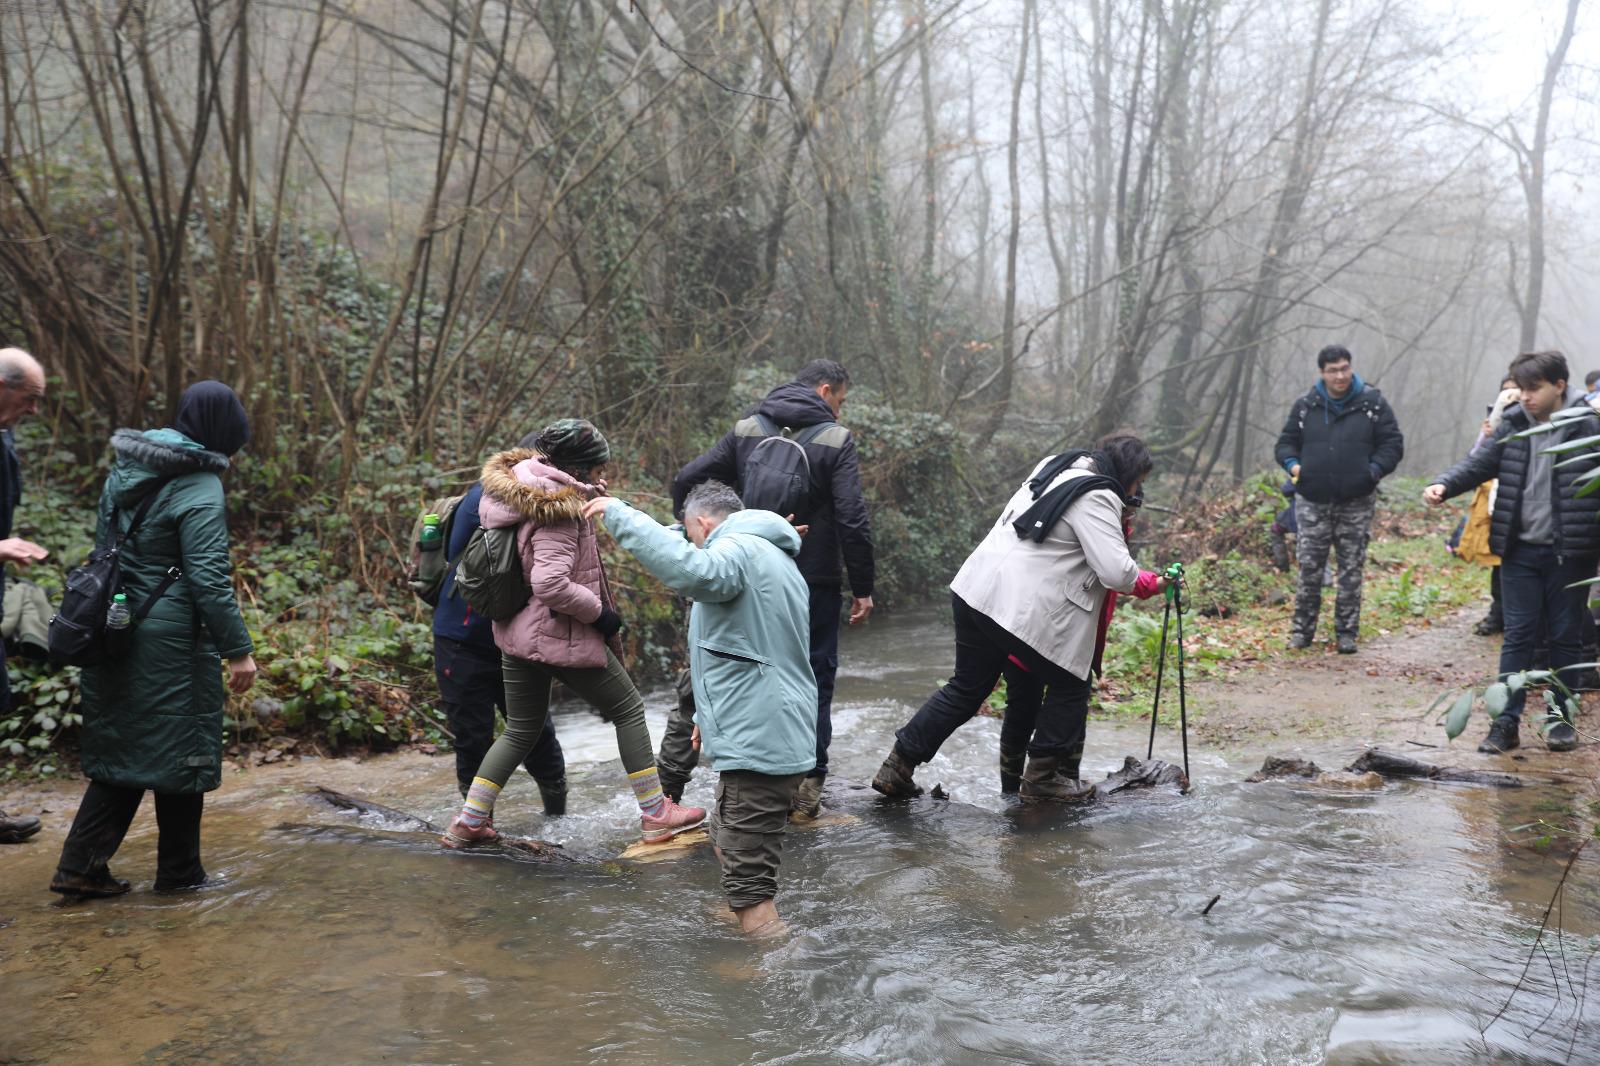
<point x="81" y="632"/>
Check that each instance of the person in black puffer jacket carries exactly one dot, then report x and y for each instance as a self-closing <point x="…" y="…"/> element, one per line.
<point x="1546" y="535"/>
<point x="836" y="514"/>
<point x="1339" y="441"/>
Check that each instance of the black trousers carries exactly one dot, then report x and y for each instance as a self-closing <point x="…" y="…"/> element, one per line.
<point x="102" y="823"/>
<point x="1025" y="695"/>
<point x="983" y="650"/>
<point x="471" y="686"/>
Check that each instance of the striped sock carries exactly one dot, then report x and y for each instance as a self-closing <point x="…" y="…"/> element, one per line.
<point x="647" y="790"/>
<point x="479" y="807"/>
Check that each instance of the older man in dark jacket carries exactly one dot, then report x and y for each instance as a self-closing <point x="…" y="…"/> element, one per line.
<point x="1339" y="441"/>
<point x="1546" y="534"/>
<point x="836" y="514"/>
<point x="21" y="389"/>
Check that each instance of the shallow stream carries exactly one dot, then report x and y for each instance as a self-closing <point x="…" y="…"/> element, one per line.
<point x="1353" y="927"/>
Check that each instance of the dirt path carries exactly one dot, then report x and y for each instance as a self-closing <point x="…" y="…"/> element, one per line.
<point x="1380" y="696"/>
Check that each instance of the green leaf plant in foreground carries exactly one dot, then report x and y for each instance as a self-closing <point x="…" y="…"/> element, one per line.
<point x="1561" y="703"/>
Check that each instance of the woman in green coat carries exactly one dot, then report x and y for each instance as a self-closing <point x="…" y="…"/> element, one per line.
<point x="152" y="717"/>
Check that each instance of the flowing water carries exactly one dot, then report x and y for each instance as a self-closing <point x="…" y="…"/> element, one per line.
<point x="1370" y="927"/>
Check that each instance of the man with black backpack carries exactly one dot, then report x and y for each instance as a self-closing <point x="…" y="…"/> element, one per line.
<point x="791" y="456"/>
<point x="466" y="663"/>
<point x="21" y="389"/>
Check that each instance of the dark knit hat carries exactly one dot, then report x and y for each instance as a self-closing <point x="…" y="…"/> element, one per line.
<point x="573" y="444"/>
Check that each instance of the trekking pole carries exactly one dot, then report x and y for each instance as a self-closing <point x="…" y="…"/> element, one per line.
<point x="1176" y="586"/>
<point x="1161" y="667"/>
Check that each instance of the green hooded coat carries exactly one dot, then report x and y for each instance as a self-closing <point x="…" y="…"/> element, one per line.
<point x="152" y="718"/>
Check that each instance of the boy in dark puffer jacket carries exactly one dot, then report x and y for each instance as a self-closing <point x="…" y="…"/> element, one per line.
<point x="1546" y="535"/>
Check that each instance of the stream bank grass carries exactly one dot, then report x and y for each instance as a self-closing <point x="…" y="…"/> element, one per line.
<point x="1239" y="606"/>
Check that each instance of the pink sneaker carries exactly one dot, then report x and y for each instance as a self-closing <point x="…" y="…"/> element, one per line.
<point x="672" y="820"/>
<point x="461" y="835"/>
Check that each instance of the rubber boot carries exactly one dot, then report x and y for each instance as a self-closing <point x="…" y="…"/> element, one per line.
<point x="894" y="776"/>
<point x="554" y="795"/>
<point x="1012" y="764"/>
<point x="1043" y="781"/>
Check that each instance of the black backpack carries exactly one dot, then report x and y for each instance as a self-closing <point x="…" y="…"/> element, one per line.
<point x="490" y="575"/>
<point x="78" y="634"/>
<point x="777" y="475"/>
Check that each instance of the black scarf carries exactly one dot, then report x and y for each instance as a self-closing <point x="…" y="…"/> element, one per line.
<point x="211" y="415"/>
<point x="1037" y="521"/>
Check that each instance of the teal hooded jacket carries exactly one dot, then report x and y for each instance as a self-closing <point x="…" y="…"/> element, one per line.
<point x="749" y="634"/>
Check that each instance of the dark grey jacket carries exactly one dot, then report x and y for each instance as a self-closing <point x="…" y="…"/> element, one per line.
<point x="1504" y="457"/>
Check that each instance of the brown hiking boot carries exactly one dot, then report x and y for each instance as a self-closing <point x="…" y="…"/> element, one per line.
<point x="894" y="777"/>
<point x="87" y="886"/>
<point x="14" y="829"/>
<point x="1043" y="781"/>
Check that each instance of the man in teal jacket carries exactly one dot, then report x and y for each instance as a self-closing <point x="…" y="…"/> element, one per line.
<point x="749" y="655"/>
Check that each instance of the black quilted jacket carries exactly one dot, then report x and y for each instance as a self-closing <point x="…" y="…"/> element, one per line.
<point x="1506" y="458"/>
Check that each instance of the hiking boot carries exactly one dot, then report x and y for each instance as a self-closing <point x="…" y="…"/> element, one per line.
<point x="1012" y="763"/>
<point x="461" y="835"/>
<point x="670" y="821"/>
<point x="554" y="796"/>
<point x="1347" y="644"/>
<point x="1491" y="624"/>
<point x="894" y="777"/>
<point x="1299" y="641"/>
<point x="1502" y="737"/>
<point x="807" y="801"/>
<point x="168" y="888"/>
<point x="87" y="886"/>
<point x="1044" y="781"/>
<point x="14" y="829"/>
<point x="1561" y="736"/>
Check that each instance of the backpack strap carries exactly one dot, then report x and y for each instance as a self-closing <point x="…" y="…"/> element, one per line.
<point x="811" y="433"/>
<point x="768" y="427"/>
<point x="139" y="512"/>
<point x="167" y="581"/>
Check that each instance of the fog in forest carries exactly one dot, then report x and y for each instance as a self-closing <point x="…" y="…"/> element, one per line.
<point x="1031" y="221"/>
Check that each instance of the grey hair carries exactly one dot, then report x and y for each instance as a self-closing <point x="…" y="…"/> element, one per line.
<point x="14" y="367"/>
<point x="712" y="499"/>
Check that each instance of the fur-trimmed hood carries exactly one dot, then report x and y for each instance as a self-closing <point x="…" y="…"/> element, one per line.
<point x="146" y="456"/>
<point x="521" y="484"/>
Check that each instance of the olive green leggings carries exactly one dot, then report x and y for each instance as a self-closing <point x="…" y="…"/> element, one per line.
<point x="608" y="689"/>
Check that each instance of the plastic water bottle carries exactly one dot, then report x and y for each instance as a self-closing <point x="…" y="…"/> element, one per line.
<point x="117" y="615"/>
<point x="432" y="538"/>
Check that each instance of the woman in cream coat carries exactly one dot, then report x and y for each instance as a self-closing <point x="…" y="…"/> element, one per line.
<point x="1034" y="591"/>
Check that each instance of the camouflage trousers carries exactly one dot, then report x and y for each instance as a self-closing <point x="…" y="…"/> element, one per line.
<point x="1343" y="526"/>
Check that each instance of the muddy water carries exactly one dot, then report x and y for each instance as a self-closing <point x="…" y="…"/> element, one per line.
<point x="1353" y="928"/>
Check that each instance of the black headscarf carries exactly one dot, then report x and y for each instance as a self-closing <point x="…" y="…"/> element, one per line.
<point x="211" y="415"/>
<point x="1037" y="521"/>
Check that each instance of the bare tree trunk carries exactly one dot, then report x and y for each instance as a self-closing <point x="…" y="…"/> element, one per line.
<point x="1531" y="167"/>
<point x="1008" y="336"/>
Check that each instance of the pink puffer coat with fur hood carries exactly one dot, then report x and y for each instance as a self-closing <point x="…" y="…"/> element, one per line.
<point x="559" y="548"/>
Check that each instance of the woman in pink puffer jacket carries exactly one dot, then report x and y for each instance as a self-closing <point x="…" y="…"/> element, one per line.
<point x="567" y="632"/>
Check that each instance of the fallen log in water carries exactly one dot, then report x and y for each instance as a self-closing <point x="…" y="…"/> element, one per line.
<point x="399" y="821"/>
<point x="1278" y="769"/>
<point x="1138" y="774"/>
<point x="1389" y="764"/>
<point x="397" y="826"/>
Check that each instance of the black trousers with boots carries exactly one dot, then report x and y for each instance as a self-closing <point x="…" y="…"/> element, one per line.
<point x="983" y="650"/>
<point x="102" y="823"/>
